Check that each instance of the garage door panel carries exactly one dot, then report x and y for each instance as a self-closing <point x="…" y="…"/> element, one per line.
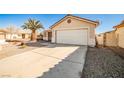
<point x="78" y="37"/>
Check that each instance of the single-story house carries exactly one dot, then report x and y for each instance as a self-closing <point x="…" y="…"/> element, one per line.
<point x="5" y="34"/>
<point x="24" y="34"/>
<point x="17" y="34"/>
<point x="73" y="30"/>
<point x="119" y="33"/>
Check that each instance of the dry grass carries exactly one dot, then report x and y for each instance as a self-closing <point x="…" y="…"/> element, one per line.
<point x="13" y="49"/>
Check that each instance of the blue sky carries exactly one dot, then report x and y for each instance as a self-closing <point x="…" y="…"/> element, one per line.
<point x="107" y="21"/>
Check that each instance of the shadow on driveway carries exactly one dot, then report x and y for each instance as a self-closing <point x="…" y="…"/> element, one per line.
<point x="37" y="44"/>
<point x="69" y="67"/>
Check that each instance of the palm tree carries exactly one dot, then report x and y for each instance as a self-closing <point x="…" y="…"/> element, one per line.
<point x="33" y="25"/>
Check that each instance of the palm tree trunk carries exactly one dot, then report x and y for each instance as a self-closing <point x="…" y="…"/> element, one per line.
<point x="33" y="35"/>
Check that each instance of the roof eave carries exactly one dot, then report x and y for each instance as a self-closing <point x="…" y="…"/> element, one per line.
<point x="87" y="20"/>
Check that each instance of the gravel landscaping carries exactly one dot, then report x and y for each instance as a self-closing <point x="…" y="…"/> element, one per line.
<point x="103" y="63"/>
<point x="118" y="50"/>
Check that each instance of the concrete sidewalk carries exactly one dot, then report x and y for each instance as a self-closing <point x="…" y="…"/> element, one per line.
<point x="45" y="59"/>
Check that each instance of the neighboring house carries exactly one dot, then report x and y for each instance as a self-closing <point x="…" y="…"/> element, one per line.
<point x="24" y="34"/>
<point x="119" y="33"/>
<point x="110" y="39"/>
<point x="12" y="36"/>
<point x="18" y="34"/>
<point x="12" y="33"/>
<point x="100" y="39"/>
<point x="6" y="34"/>
<point x="74" y="30"/>
<point x="107" y="39"/>
<point x="113" y="38"/>
<point x="2" y="36"/>
<point x="47" y="35"/>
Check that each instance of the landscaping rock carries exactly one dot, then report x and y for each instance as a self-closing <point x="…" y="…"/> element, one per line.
<point x="103" y="63"/>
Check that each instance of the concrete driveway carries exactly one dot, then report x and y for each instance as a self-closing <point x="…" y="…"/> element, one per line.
<point x="57" y="61"/>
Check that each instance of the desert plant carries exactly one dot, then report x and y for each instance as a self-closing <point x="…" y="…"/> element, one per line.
<point x="33" y="25"/>
<point x="22" y="46"/>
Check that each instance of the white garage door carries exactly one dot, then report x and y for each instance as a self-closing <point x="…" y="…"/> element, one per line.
<point x="78" y="37"/>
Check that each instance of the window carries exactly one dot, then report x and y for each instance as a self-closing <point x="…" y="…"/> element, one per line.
<point x="69" y="21"/>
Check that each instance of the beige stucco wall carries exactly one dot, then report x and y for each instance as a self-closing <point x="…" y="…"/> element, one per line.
<point x="120" y="36"/>
<point x="1" y="36"/>
<point x="16" y="36"/>
<point x="27" y="36"/>
<point x="110" y="39"/>
<point x="76" y="24"/>
<point x="100" y="39"/>
<point x="2" y="39"/>
<point x="12" y="36"/>
<point x="0" y="47"/>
